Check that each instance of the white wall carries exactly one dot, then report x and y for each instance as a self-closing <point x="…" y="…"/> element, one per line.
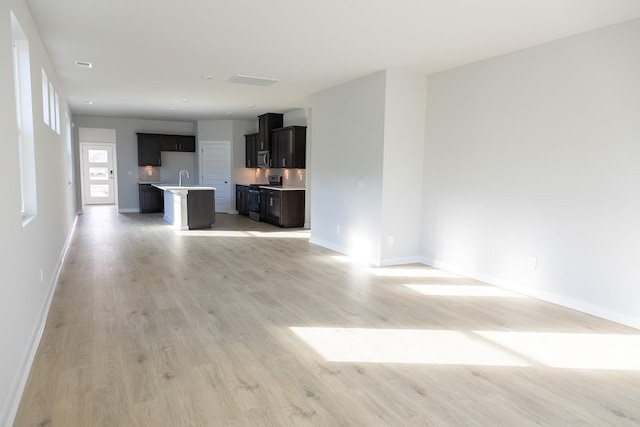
<point x="404" y="133"/>
<point x="127" y="153"/>
<point x="348" y="147"/>
<point x="367" y="151"/>
<point x="537" y="153"/>
<point x="40" y="245"/>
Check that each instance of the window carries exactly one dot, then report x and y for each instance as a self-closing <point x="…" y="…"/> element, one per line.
<point x="45" y="97"/>
<point x="57" y="110"/>
<point x="69" y="151"/>
<point x="24" y="121"/>
<point x="52" y="107"/>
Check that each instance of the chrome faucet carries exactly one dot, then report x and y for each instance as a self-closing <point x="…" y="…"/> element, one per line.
<point x="180" y="176"/>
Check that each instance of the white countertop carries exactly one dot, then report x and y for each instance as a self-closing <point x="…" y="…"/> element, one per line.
<point x="282" y="188"/>
<point x="177" y="188"/>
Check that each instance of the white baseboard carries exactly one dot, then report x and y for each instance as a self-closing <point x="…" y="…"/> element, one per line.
<point x="378" y="263"/>
<point x="551" y="297"/>
<point x="20" y="380"/>
<point x="400" y="261"/>
<point x="128" y="210"/>
<point x="328" y="245"/>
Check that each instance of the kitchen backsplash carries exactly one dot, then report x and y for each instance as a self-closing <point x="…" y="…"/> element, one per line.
<point x="149" y="174"/>
<point x="293" y="177"/>
<point x="290" y="177"/>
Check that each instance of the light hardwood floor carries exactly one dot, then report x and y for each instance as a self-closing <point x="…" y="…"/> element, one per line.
<point x="249" y="325"/>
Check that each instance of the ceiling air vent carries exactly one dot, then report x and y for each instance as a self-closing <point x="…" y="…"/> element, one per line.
<point x="84" y="64"/>
<point x="248" y="80"/>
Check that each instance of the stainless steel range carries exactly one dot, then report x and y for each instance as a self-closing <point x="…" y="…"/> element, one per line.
<point x="254" y="202"/>
<point x="257" y="197"/>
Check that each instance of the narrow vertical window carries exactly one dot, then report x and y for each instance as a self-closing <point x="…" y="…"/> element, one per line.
<point x="57" y="110"/>
<point x="45" y="97"/>
<point x="69" y="151"/>
<point x="24" y="121"/>
<point x="52" y="106"/>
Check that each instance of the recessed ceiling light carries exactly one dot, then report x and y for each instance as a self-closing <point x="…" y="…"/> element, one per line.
<point x="229" y="114"/>
<point x="184" y="100"/>
<point x="206" y="77"/>
<point x="172" y="109"/>
<point x="250" y="106"/>
<point x="84" y="64"/>
<point x="250" y="80"/>
<point x="163" y="115"/>
<point x="87" y="102"/>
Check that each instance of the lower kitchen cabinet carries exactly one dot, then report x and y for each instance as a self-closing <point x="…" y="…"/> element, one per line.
<point x="242" y="199"/>
<point x="151" y="198"/>
<point x="285" y="208"/>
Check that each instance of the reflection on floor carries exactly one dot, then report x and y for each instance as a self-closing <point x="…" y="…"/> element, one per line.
<point x="250" y="325"/>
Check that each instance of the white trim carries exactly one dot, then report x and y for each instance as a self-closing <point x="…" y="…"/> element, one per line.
<point x="128" y="210"/>
<point x="551" y="297"/>
<point x="400" y="261"/>
<point x="20" y="380"/>
<point x="328" y="245"/>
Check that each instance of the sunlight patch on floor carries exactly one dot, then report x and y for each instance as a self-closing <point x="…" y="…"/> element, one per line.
<point x="463" y="291"/>
<point x="404" y="346"/>
<point x="486" y="348"/>
<point x="573" y="350"/>
<point x="411" y="272"/>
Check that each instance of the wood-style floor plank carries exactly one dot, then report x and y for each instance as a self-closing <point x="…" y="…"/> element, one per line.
<point x="153" y="327"/>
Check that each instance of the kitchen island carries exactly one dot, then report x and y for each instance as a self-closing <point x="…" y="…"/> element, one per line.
<point x="188" y="208"/>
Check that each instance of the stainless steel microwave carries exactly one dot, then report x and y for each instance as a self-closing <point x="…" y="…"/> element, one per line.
<point x="263" y="159"/>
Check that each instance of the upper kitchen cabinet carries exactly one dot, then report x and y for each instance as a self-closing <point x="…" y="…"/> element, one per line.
<point x="251" y="156"/>
<point x="150" y="145"/>
<point x="149" y="148"/>
<point x="266" y="124"/>
<point x="289" y="147"/>
<point x="183" y="143"/>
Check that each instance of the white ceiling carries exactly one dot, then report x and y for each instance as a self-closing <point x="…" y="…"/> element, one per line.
<point x="150" y="55"/>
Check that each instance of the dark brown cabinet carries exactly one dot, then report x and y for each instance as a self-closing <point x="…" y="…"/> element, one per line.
<point x="149" y="149"/>
<point x="251" y="156"/>
<point x="151" y="198"/>
<point x="201" y="208"/>
<point x="289" y="147"/>
<point x="266" y="124"/>
<point x="242" y="199"/>
<point x="151" y="145"/>
<point x="182" y="143"/>
<point x="262" y="203"/>
<point x="285" y="208"/>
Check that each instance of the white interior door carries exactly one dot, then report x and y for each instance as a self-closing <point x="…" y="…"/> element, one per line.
<point x="215" y="171"/>
<point x="98" y="185"/>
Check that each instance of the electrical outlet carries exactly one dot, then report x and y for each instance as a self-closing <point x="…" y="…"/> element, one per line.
<point x="338" y="229"/>
<point x="390" y="240"/>
<point x="361" y="183"/>
<point x="533" y="263"/>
